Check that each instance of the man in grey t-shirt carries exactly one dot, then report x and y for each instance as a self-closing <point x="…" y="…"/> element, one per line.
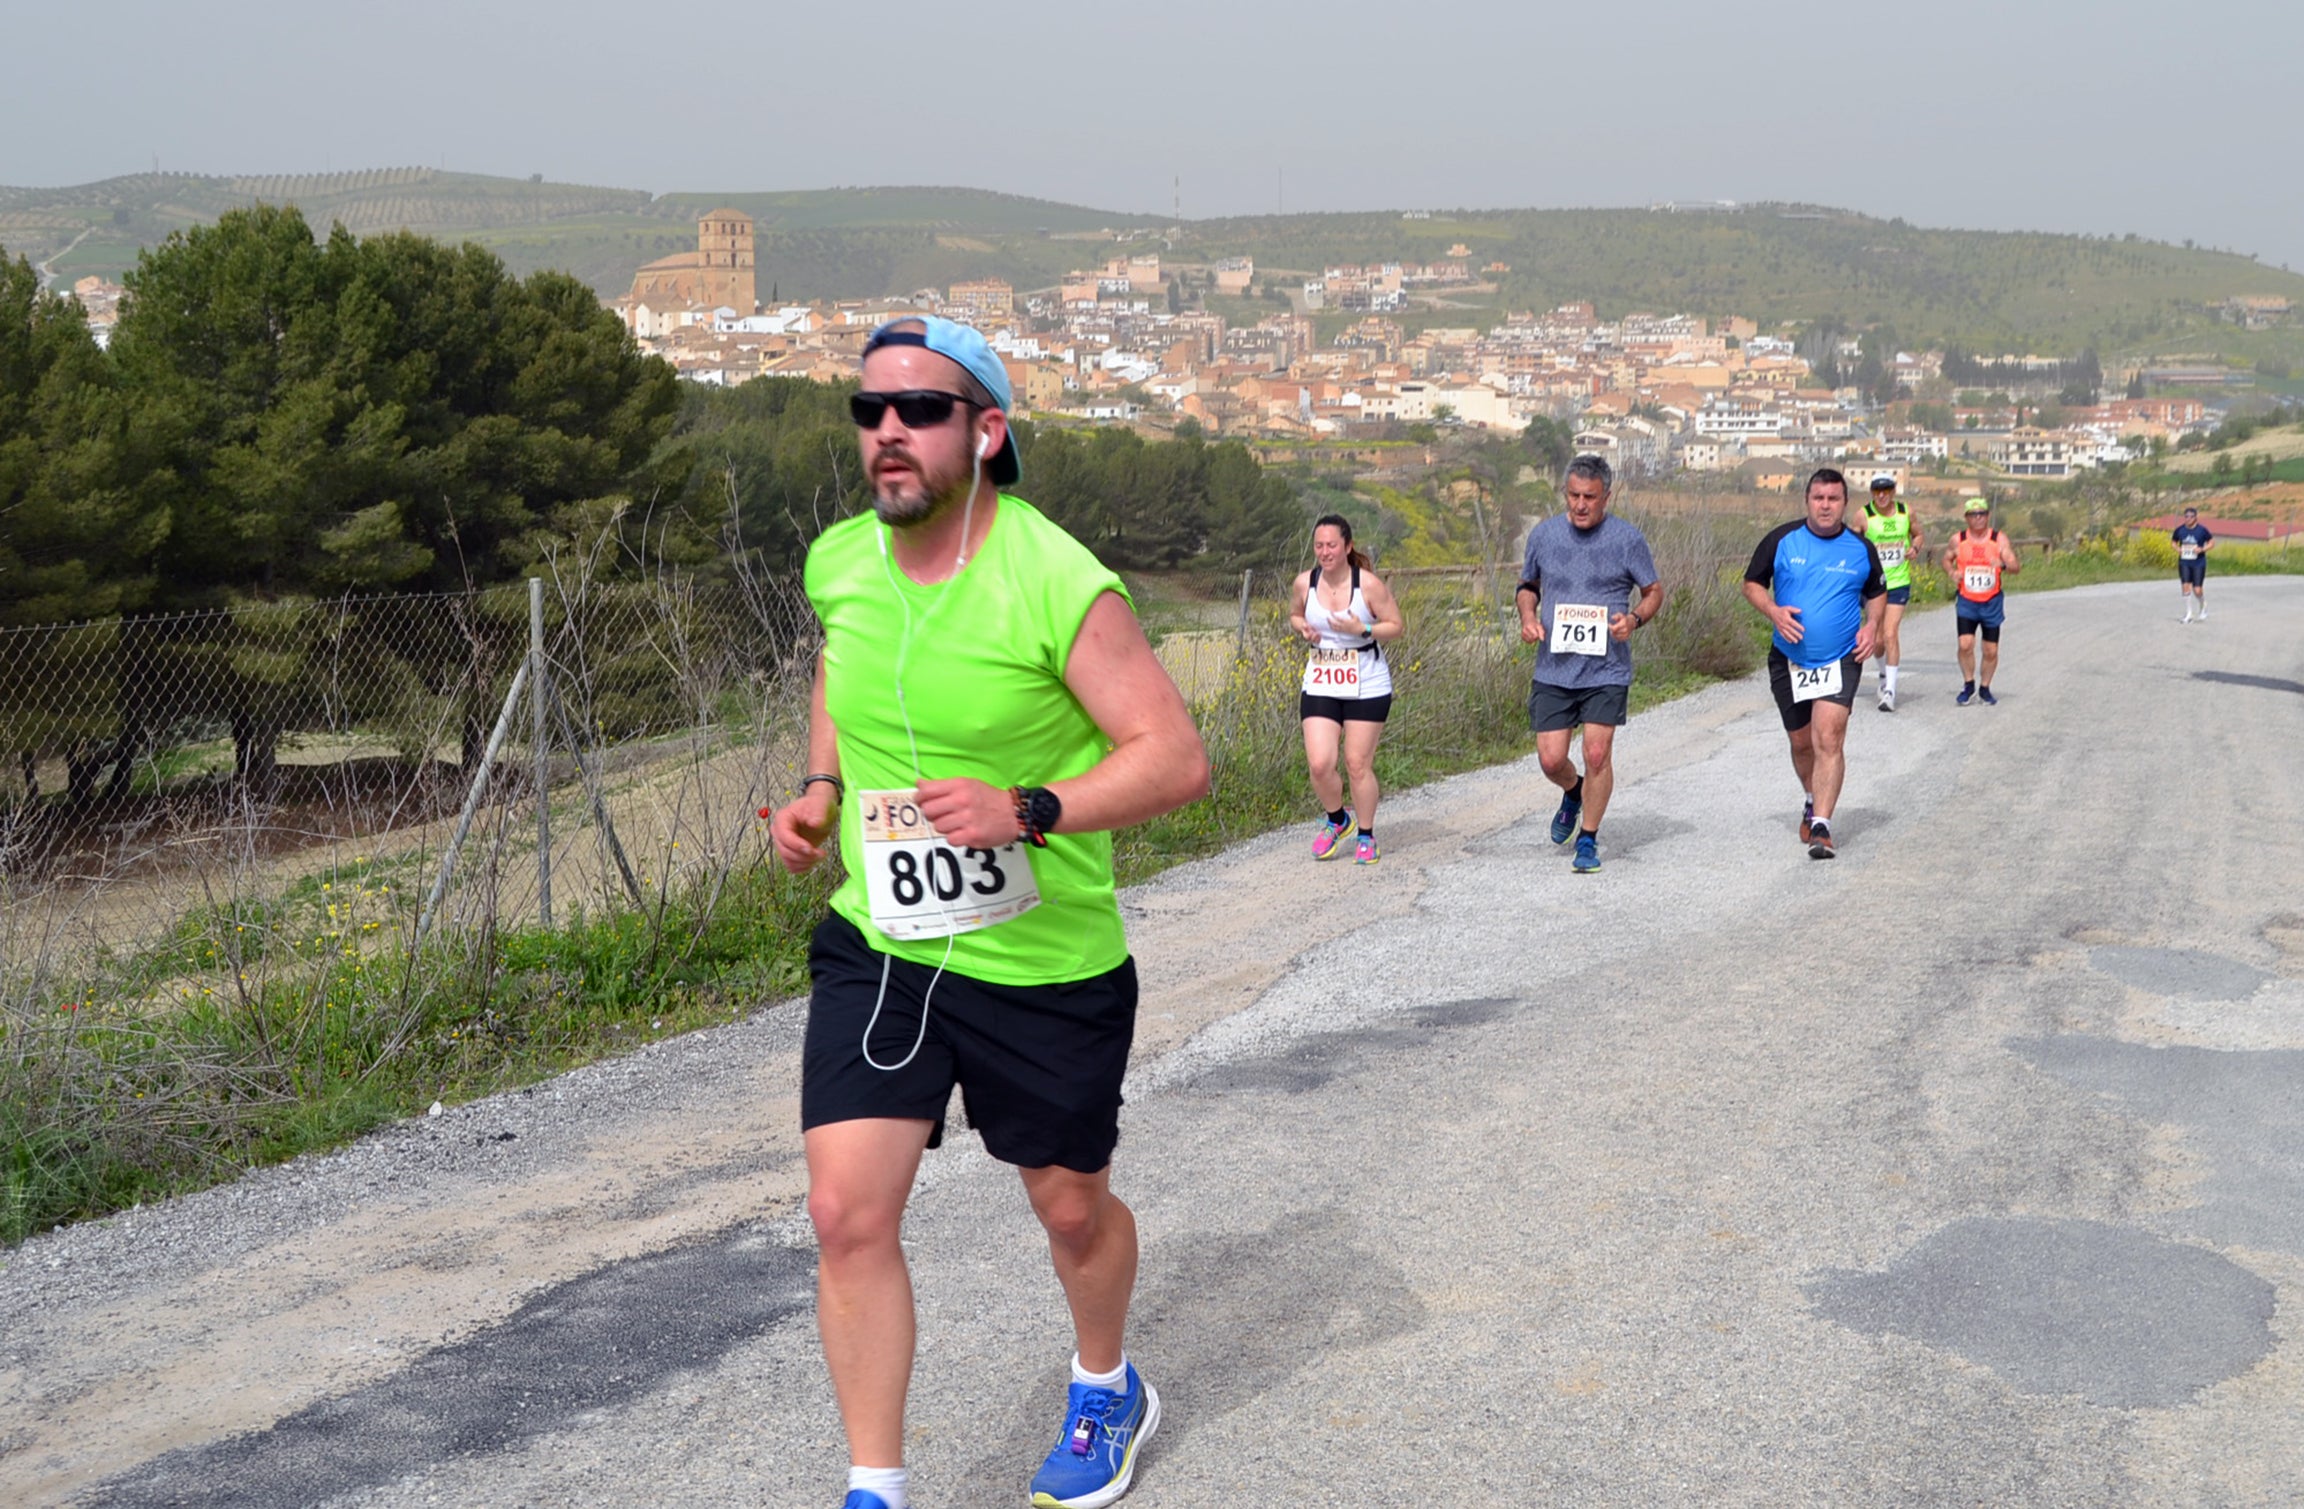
<point x="1575" y="599"/>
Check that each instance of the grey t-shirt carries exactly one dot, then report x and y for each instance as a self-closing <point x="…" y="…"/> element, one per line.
<point x="1604" y="567"/>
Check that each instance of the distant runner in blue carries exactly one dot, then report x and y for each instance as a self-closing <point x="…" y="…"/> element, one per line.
<point x="2192" y="541"/>
<point x="1819" y="584"/>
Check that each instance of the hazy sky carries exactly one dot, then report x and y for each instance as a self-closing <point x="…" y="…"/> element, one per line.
<point x="2174" y="120"/>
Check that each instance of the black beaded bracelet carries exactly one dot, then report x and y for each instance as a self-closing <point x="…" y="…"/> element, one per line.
<point x="1037" y="812"/>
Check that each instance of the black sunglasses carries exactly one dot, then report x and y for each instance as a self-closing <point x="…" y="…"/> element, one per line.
<point x="916" y="408"/>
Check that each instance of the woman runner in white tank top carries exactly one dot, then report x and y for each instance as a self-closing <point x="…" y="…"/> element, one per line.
<point x="1347" y="616"/>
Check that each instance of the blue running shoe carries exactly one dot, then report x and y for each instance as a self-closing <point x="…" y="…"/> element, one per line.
<point x="1564" y="821"/>
<point x="1984" y="695"/>
<point x="863" y="1498"/>
<point x="1967" y="694"/>
<point x="1587" y="853"/>
<point x="1096" y="1455"/>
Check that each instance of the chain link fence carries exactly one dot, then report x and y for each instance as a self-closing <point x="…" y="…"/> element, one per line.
<point x="580" y="741"/>
<point x="154" y="762"/>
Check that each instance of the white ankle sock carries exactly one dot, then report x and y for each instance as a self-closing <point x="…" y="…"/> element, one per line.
<point x="888" y="1482"/>
<point x="1888" y="680"/>
<point x="1116" y="1380"/>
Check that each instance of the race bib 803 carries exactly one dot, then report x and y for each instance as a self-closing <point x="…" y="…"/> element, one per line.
<point x="919" y="886"/>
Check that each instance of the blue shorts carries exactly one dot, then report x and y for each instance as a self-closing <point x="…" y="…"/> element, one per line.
<point x="2192" y="573"/>
<point x="1900" y="595"/>
<point x="1988" y="614"/>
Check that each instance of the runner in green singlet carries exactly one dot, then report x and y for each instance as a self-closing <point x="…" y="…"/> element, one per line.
<point x="986" y="712"/>
<point x="1893" y="531"/>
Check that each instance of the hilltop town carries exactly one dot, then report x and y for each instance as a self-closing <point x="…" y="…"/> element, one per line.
<point x="1356" y="351"/>
<point x="1130" y="341"/>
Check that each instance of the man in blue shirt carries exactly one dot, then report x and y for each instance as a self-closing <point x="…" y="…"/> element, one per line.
<point x="1820" y="586"/>
<point x="1582" y="571"/>
<point x="2192" y="541"/>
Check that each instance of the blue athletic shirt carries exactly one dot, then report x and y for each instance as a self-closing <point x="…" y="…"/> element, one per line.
<point x="2191" y="534"/>
<point x="1828" y="578"/>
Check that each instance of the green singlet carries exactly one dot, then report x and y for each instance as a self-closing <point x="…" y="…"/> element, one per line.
<point x="982" y="659"/>
<point x="1892" y="529"/>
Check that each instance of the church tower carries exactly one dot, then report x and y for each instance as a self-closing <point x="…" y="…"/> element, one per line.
<point x="724" y="246"/>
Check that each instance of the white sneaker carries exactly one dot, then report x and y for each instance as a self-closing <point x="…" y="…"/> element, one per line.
<point x="2203" y="615"/>
<point x="1887" y="700"/>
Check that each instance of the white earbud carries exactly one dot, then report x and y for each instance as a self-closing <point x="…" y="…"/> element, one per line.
<point x="984" y="448"/>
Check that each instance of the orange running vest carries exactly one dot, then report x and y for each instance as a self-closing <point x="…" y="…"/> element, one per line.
<point x="1976" y="560"/>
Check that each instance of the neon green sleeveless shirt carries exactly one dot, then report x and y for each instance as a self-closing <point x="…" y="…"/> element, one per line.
<point x="1892" y="531"/>
<point x="982" y="661"/>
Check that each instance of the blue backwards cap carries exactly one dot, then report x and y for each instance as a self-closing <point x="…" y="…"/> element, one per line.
<point x="960" y="343"/>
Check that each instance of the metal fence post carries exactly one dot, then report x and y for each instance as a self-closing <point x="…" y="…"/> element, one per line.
<point x="541" y="748"/>
<point x="472" y="797"/>
<point x="1245" y="578"/>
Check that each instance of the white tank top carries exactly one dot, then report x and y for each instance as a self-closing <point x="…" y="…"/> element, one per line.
<point x="1375" y="678"/>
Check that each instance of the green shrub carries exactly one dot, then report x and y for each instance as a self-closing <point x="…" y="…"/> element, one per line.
<point x="2152" y="549"/>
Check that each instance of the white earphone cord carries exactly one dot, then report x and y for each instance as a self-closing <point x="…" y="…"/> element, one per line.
<point x="903" y="653"/>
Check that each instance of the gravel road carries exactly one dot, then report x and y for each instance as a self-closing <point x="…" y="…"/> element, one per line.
<point x="1967" y="1168"/>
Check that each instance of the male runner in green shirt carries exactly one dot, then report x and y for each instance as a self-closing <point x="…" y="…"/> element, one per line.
<point x="1893" y="531"/>
<point x="986" y="711"/>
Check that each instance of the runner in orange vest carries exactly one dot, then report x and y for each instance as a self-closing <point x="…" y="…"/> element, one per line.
<point x="1978" y="557"/>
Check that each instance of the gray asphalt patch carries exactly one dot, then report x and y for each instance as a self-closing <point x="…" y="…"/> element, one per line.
<point x="1307" y="1063"/>
<point x="2103" y="1313"/>
<point x="596" y="1342"/>
<point x="2244" y="1113"/>
<point x="2180" y="972"/>
<point x="1225" y="1347"/>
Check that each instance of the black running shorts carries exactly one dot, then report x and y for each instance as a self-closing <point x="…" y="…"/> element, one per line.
<point x="1038" y="1066"/>
<point x="1554" y="708"/>
<point x="1798" y="715"/>
<point x="1344" y="709"/>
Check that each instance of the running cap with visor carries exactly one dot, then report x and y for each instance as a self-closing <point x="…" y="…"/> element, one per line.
<point x="1977" y="505"/>
<point x="959" y="343"/>
<point x="1883" y="483"/>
